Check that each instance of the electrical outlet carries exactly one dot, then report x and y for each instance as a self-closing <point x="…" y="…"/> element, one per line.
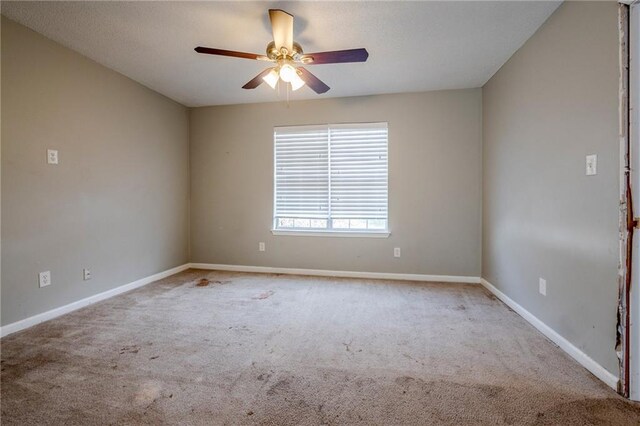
<point x="52" y="156"/>
<point x="261" y="246"/>
<point x="542" y="286"/>
<point x="396" y="252"/>
<point x="44" y="278"/>
<point x="592" y="165"/>
<point x="86" y="274"/>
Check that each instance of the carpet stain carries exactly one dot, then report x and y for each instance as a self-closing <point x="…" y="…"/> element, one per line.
<point x="489" y="390"/>
<point x="404" y="380"/>
<point x="203" y="282"/>
<point x="589" y="411"/>
<point x="264" y="295"/>
<point x="280" y="386"/>
<point x="264" y="377"/>
<point x="412" y="358"/>
<point x="23" y="367"/>
<point x="342" y="399"/>
<point x="147" y="393"/>
<point x="134" y="349"/>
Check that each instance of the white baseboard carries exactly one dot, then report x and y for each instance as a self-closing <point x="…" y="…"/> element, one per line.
<point x="341" y="274"/>
<point x="588" y="363"/>
<point x="45" y="316"/>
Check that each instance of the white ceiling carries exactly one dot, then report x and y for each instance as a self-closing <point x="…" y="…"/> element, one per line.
<point x="413" y="46"/>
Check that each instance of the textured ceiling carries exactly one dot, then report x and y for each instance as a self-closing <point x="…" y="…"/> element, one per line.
<point x="413" y="46"/>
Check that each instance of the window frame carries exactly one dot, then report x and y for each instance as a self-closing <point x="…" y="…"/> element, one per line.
<point x="329" y="231"/>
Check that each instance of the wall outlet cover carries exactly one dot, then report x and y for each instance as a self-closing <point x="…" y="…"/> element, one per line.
<point x="542" y="286"/>
<point x="592" y="165"/>
<point x="261" y="246"/>
<point x="52" y="156"/>
<point x="396" y="252"/>
<point x="44" y="278"/>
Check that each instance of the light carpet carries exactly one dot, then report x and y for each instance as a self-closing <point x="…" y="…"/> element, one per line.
<point x="291" y="350"/>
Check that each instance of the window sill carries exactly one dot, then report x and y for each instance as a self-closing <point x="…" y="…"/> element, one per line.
<point x="350" y="234"/>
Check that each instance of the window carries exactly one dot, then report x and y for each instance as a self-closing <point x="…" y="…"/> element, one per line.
<point x="331" y="178"/>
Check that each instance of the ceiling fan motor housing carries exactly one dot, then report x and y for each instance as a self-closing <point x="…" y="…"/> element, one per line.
<point x="274" y="54"/>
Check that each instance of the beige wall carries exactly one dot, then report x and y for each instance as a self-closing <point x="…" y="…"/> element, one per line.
<point x="554" y="102"/>
<point x="118" y="201"/>
<point x="434" y="184"/>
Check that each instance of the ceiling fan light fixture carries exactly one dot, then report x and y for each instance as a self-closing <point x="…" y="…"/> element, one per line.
<point x="287" y="57"/>
<point x="272" y="78"/>
<point x="287" y="73"/>
<point x="296" y="82"/>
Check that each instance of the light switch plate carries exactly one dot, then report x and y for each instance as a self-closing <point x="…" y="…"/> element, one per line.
<point x="52" y="156"/>
<point x="44" y="278"/>
<point x="592" y="165"/>
<point x="542" y="286"/>
<point x="86" y="274"/>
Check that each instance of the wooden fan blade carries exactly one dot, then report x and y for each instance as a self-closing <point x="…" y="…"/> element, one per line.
<point x="312" y="81"/>
<point x="257" y="80"/>
<point x="336" y="56"/>
<point x="221" y="52"/>
<point x="282" y="27"/>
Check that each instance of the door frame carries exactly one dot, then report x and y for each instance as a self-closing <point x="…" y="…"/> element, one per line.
<point x="631" y="374"/>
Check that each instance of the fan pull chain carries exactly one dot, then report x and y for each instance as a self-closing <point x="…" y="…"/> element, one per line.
<point x="288" y="85"/>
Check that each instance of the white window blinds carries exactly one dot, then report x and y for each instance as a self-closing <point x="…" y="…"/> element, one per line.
<point x="331" y="177"/>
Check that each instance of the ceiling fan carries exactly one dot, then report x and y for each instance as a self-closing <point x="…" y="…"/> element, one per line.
<point x="287" y="55"/>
